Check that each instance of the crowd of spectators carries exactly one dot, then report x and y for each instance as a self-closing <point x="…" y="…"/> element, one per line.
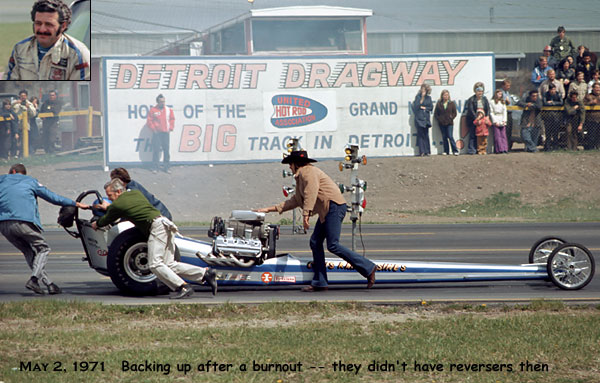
<point x="11" y="127"/>
<point x="567" y="78"/>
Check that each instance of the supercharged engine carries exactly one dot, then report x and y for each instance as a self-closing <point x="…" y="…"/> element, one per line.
<point x="243" y="240"/>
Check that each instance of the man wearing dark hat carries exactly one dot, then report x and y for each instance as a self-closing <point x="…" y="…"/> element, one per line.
<point x="316" y="193"/>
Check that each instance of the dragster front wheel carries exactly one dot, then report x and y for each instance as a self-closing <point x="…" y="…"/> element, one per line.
<point x="571" y="266"/>
<point x="541" y="250"/>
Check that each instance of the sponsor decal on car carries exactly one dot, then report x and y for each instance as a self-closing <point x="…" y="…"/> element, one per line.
<point x="266" y="278"/>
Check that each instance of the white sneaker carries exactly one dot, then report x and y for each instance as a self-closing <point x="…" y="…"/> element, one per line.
<point x="456" y="154"/>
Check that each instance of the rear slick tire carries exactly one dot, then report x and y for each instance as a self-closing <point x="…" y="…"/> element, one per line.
<point x="128" y="265"/>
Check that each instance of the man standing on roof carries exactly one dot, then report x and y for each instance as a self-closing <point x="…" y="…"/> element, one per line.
<point x="49" y="54"/>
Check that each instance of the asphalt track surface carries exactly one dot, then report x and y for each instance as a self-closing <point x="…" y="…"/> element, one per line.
<point x="482" y="243"/>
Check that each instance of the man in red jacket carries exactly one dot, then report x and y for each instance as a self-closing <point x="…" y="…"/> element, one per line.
<point x="161" y="121"/>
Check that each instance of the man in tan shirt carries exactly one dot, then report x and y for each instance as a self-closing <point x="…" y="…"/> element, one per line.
<point x="316" y="193"/>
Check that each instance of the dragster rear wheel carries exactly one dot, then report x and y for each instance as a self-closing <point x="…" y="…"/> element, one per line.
<point x="540" y="251"/>
<point x="571" y="266"/>
<point x="129" y="267"/>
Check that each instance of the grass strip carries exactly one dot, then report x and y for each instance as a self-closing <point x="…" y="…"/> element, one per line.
<point x="298" y="342"/>
<point x="509" y="205"/>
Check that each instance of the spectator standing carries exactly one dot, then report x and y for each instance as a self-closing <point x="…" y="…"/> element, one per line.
<point x="586" y="67"/>
<point x="475" y="102"/>
<point x="574" y="119"/>
<point x="508" y="101"/>
<point x="161" y="120"/>
<point x="579" y="86"/>
<point x="580" y="54"/>
<point x="482" y="124"/>
<point x="551" y="80"/>
<point x="7" y="127"/>
<point x="50" y="124"/>
<point x="565" y="74"/>
<point x="540" y="73"/>
<point x="445" y="113"/>
<point x="20" y="106"/>
<point x="552" y="118"/>
<point x="498" y="114"/>
<point x="593" y="118"/>
<point x="531" y="121"/>
<point x="34" y="132"/>
<point x="422" y="108"/>
<point x="595" y="79"/>
<point x="547" y="53"/>
<point x="561" y="45"/>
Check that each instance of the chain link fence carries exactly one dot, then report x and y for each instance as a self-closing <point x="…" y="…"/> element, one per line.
<point x="553" y="124"/>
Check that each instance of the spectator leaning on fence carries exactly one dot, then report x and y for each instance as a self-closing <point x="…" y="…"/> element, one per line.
<point x="593" y="118"/>
<point x="531" y="121"/>
<point x="574" y="119"/>
<point x="552" y="118"/>
<point x="561" y="45"/>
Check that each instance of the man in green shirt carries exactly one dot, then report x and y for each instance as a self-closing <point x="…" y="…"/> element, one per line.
<point x="133" y="206"/>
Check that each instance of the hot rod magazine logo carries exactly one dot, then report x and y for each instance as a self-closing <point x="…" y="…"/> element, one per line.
<point x="291" y="111"/>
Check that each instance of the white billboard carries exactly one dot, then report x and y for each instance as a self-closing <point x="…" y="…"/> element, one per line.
<point x="244" y="109"/>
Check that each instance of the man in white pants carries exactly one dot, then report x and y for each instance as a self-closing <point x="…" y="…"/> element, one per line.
<point x="133" y="206"/>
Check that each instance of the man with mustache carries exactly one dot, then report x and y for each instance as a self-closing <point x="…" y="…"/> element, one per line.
<point x="49" y="54"/>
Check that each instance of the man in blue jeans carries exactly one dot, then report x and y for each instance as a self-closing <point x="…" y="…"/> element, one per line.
<point x="317" y="194"/>
<point x="531" y="121"/>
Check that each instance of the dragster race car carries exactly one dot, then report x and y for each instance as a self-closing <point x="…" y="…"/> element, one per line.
<point x="243" y="252"/>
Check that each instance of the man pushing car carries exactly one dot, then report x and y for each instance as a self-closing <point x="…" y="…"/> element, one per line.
<point x="160" y="231"/>
<point x="317" y="194"/>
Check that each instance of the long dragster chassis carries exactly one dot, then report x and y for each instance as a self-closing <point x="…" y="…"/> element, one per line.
<point x="243" y="254"/>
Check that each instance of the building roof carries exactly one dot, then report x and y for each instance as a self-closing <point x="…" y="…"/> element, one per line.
<point x="408" y="16"/>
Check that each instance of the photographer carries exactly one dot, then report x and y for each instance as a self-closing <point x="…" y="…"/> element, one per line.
<point x="19" y="107"/>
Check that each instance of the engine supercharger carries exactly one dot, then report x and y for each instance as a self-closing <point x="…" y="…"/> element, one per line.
<point x="243" y="240"/>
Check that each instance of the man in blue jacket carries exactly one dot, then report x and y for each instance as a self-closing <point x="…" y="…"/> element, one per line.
<point x="20" y="222"/>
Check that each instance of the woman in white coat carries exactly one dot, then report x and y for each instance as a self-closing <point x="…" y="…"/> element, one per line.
<point x="498" y="116"/>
